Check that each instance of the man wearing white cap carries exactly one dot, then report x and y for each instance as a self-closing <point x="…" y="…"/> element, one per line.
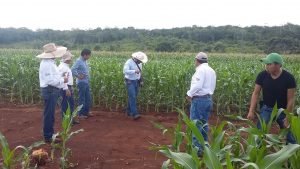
<point x="51" y="82"/>
<point x="67" y="90"/>
<point x="133" y="79"/>
<point x="202" y="88"/>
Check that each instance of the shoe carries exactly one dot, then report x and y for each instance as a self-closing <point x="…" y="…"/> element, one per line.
<point x="49" y="141"/>
<point x="74" y="122"/>
<point x="83" y="117"/>
<point x="90" y="114"/>
<point x="136" y="117"/>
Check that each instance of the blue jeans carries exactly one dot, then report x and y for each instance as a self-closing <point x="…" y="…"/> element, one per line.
<point x="132" y="90"/>
<point x="50" y="96"/>
<point x="84" y="98"/>
<point x="200" y="112"/>
<point x="67" y="100"/>
<point x="265" y="115"/>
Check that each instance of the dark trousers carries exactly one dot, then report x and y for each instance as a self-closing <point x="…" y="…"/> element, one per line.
<point x="84" y="98"/>
<point x="50" y="96"/>
<point x="67" y="101"/>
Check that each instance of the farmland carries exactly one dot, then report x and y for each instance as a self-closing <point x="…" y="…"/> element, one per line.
<point x="167" y="78"/>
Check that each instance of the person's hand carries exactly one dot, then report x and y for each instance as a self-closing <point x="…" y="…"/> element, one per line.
<point x="286" y="123"/>
<point x="137" y="71"/>
<point x="66" y="79"/>
<point x="68" y="93"/>
<point x="81" y="76"/>
<point x="188" y="98"/>
<point x="250" y="115"/>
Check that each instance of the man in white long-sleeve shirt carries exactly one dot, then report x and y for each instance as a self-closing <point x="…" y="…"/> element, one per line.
<point x="132" y="72"/>
<point x="51" y="82"/>
<point x="67" y="91"/>
<point x="202" y="88"/>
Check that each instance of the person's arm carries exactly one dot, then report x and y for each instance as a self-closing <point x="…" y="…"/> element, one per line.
<point x="126" y="69"/>
<point x="290" y="99"/>
<point x="253" y="102"/>
<point x="74" y="69"/>
<point x="199" y="81"/>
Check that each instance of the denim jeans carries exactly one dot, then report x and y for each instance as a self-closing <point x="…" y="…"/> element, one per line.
<point x="50" y="96"/>
<point x="67" y="100"/>
<point x="84" y="98"/>
<point x="200" y="112"/>
<point x="132" y="90"/>
<point x="265" y="115"/>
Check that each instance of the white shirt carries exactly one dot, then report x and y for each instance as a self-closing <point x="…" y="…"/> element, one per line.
<point x="203" y="81"/>
<point x="49" y="74"/>
<point x="129" y="70"/>
<point x="63" y="69"/>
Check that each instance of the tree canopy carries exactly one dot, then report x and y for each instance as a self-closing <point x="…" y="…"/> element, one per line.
<point x="281" y="39"/>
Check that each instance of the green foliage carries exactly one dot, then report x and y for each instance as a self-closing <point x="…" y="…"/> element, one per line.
<point x="65" y="136"/>
<point x="257" y="149"/>
<point x="282" y="39"/>
<point x="167" y="78"/>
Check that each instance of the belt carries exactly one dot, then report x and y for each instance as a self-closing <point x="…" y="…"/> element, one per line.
<point x="52" y="87"/>
<point x="203" y="96"/>
<point x="130" y="80"/>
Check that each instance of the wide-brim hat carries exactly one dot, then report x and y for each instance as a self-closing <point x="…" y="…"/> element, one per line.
<point x="67" y="56"/>
<point x="140" y="56"/>
<point x="52" y="51"/>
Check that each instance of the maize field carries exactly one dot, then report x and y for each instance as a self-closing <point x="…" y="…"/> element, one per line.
<point x="167" y="78"/>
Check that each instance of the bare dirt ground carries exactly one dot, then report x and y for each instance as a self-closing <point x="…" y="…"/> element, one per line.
<point x="110" y="140"/>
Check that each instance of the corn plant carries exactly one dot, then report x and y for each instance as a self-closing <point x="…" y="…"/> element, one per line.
<point x="11" y="158"/>
<point x="65" y="136"/>
<point x="258" y="149"/>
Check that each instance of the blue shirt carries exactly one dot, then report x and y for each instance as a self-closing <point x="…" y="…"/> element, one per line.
<point x="129" y="70"/>
<point x="81" y="67"/>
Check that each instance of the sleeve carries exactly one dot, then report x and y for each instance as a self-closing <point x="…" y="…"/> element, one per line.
<point x="260" y="78"/>
<point x="126" y="69"/>
<point x="291" y="82"/>
<point x="197" y="83"/>
<point x="75" y="68"/>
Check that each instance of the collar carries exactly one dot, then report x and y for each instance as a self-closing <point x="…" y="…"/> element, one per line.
<point x="201" y="65"/>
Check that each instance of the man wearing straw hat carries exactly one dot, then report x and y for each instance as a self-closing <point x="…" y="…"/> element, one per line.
<point x="67" y="90"/>
<point x="51" y="82"/>
<point x="278" y="86"/>
<point x="200" y="94"/>
<point x="132" y="71"/>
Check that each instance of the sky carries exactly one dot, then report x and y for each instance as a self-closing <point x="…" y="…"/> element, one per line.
<point x="145" y="14"/>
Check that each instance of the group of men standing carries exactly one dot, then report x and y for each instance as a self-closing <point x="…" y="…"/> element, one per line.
<point x="278" y="87"/>
<point x="56" y="81"/>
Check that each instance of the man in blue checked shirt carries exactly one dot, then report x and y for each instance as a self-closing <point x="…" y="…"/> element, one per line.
<point x="81" y="71"/>
<point x="133" y="79"/>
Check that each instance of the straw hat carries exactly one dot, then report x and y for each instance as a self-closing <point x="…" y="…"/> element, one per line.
<point x="51" y="51"/>
<point x="140" y="56"/>
<point x="67" y="56"/>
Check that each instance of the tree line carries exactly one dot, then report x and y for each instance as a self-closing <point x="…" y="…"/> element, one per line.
<point x="281" y="39"/>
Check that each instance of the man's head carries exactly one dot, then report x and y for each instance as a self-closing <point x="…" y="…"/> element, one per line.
<point x="200" y="58"/>
<point x="67" y="57"/>
<point x="139" y="57"/>
<point x="273" y="62"/>
<point x="85" y="54"/>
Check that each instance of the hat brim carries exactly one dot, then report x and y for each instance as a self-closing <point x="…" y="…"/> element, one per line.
<point x="144" y="60"/>
<point x="265" y="61"/>
<point x="60" y="51"/>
